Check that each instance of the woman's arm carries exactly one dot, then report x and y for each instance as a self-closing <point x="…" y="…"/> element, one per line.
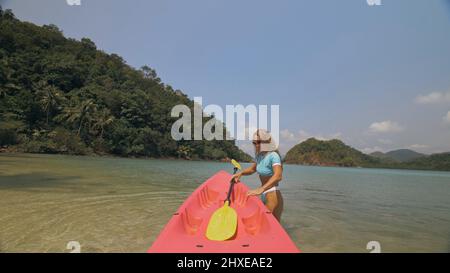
<point x="276" y="177"/>
<point x="250" y="170"/>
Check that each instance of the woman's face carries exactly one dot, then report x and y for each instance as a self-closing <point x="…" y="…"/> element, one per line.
<point x="257" y="145"/>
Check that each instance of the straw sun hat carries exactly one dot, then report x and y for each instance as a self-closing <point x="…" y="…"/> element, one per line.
<point x="267" y="142"/>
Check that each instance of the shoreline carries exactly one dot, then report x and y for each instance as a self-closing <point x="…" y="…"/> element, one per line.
<point x="9" y="152"/>
<point x="364" y="168"/>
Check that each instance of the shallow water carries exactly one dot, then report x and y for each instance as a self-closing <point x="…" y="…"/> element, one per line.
<point x="120" y="205"/>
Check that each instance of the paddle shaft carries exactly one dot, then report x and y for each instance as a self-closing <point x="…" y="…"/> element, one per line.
<point x="231" y="187"/>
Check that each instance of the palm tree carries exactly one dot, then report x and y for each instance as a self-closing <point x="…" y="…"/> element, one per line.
<point x="50" y="98"/>
<point x="70" y="114"/>
<point x="87" y="108"/>
<point x="184" y="151"/>
<point x="80" y="114"/>
<point x="102" y="119"/>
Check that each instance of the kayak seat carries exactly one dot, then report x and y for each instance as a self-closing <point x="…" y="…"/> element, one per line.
<point x="239" y="195"/>
<point x="256" y="221"/>
<point x="191" y="222"/>
<point x="207" y="197"/>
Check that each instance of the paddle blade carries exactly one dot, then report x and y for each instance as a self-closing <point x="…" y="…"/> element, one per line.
<point x="222" y="225"/>
<point x="235" y="164"/>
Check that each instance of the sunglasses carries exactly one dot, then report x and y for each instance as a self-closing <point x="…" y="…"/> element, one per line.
<point x="256" y="142"/>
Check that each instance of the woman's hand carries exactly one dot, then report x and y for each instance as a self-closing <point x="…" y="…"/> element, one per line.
<point x="236" y="177"/>
<point x="257" y="191"/>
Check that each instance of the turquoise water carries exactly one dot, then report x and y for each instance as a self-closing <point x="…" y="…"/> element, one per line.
<point x="120" y="205"/>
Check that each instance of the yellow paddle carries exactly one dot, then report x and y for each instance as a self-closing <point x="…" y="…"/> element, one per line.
<point x="223" y="222"/>
<point x="236" y="165"/>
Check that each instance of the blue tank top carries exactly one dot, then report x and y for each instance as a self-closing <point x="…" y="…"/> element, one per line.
<point x="265" y="163"/>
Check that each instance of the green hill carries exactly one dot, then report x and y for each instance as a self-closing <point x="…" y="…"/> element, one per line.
<point x="327" y="153"/>
<point x="336" y="153"/>
<point x="438" y="162"/>
<point x="60" y="95"/>
<point x="380" y="155"/>
<point x="401" y="155"/>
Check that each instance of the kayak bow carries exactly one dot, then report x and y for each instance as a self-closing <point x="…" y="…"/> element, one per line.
<point x="257" y="229"/>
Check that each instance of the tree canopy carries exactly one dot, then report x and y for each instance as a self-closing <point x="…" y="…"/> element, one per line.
<point x="60" y="95"/>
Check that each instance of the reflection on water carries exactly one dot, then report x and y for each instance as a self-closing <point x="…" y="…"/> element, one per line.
<point x="120" y="205"/>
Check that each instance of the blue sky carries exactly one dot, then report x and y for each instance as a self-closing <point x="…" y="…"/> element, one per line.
<point x="377" y="77"/>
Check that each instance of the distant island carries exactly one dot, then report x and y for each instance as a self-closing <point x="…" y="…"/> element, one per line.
<point x="60" y="95"/>
<point x="334" y="152"/>
<point x="401" y="155"/>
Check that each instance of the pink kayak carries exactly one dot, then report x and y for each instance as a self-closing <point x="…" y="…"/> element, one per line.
<point x="257" y="230"/>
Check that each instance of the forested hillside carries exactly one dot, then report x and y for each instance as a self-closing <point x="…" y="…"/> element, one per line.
<point x="60" y="95"/>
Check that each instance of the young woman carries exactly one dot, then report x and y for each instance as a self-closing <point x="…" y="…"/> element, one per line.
<point x="268" y="166"/>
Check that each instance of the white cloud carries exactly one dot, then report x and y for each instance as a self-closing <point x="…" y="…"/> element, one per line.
<point x="386" y="126"/>
<point x="447" y="118"/>
<point x="287" y="135"/>
<point x="303" y="134"/>
<point x="433" y="97"/>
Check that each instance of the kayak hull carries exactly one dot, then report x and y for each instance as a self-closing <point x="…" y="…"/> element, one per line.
<point x="257" y="230"/>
